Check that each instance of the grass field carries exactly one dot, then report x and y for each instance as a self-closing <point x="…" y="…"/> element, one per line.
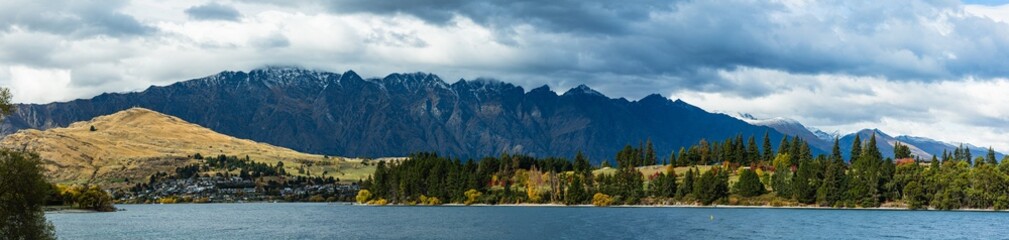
<point x="136" y="143"/>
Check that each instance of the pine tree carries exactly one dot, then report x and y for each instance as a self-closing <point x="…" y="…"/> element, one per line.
<point x="664" y="186"/>
<point x="768" y="151"/>
<point x="832" y="187"/>
<point x="682" y="157"/>
<point x="886" y="187"/>
<point x="672" y="159"/>
<point x="739" y="156"/>
<point x="753" y="154"/>
<point x="901" y="151"/>
<point x="582" y="165"/>
<point x="935" y="163"/>
<point x="783" y="147"/>
<point x="796" y="150"/>
<point x="688" y="184"/>
<point x="856" y="149"/>
<point x="650" y="157"/>
<point x="864" y="176"/>
<point x="749" y="184"/>
<point x="576" y="191"/>
<point x="967" y="155"/>
<point x="991" y="156"/>
<point x="803" y="184"/>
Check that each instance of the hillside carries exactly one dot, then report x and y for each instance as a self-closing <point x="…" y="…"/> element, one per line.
<point x="884" y="142"/>
<point x="792" y="128"/>
<point x="347" y="115"/>
<point x="936" y="147"/>
<point x="135" y="143"/>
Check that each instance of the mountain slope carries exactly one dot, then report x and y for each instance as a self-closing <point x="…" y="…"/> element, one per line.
<point x="135" y="143"/>
<point x="884" y="142"/>
<point x="346" y="115"/>
<point x="936" y="147"/>
<point x="792" y="128"/>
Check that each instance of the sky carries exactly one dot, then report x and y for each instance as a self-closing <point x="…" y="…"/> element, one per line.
<point x="934" y="68"/>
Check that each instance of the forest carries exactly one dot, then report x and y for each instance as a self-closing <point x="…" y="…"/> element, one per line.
<point x="728" y="172"/>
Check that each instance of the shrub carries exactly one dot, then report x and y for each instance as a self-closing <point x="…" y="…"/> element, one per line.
<point x="602" y="200"/>
<point x="471" y="196"/>
<point x="378" y="202"/>
<point x="363" y="196"/>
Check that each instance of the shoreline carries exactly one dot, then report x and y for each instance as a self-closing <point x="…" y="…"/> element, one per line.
<point x="694" y="207"/>
<point x="557" y="205"/>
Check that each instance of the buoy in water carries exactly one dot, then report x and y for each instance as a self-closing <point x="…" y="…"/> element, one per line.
<point x="712" y="217"/>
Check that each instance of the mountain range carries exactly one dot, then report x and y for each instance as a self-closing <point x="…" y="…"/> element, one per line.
<point x="344" y="114"/>
<point x="922" y="147"/>
<point x="347" y="115"/>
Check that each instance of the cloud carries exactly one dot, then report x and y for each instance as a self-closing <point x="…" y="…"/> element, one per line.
<point x="38" y="85"/>
<point x="962" y="110"/>
<point x="916" y="40"/>
<point x="591" y="17"/>
<point x="213" y="11"/>
<point x="76" y="19"/>
<point x="922" y="67"/>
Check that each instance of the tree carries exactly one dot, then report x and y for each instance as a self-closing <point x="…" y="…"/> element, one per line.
<point x="783" y="146"/>
<point x="664" y="185"/>
<point x="363" y="196"/>
<point x="688" y="184"/>
<point x="582" y="165"/>
<point x="768" y="151"/>
<point x="990" y="157"/>
<point x="23" y="190"/>
<point x="832" y="187"/>
<point x="864" y="175"/>
<point x="22" y="195"/>
<point x="749" y="184"/>
<point x="576" y="193"/>
<point x="753" y="154"/>
<point x="712" y="186"/>
<point x="856" y="149"/>
<point x="901" y="151"/>
<point x="781" y="181"/>
<point x="650" y="157"/>
<point x="804" y="184"/>
<point x="914" y="195"/>
<point x="6" y="108"/>
<point x="682" y="158"/>
<point x="95" y="198"/>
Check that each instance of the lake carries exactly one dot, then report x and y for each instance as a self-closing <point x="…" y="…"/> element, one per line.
<point x="332" y="221"/>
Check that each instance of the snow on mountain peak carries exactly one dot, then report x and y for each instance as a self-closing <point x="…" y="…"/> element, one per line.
<point x="776" y="121"/>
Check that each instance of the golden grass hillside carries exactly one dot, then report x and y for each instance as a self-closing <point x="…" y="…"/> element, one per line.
<point x="135" y="143"/>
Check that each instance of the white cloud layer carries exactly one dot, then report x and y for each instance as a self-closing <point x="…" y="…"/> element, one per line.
<point x="966" y="110"/>
<point x="927" y="68"/>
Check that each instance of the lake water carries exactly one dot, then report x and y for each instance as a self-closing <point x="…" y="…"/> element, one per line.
<point x="331" y="221"/>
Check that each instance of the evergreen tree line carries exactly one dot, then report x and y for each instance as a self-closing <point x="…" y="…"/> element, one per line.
<point x="732" y="171"/>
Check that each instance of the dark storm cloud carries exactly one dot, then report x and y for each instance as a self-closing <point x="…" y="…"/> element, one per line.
<point x="213" y="11"/>
<point x="84" y="18"/>
<point x="588" y="17"/>
<point x="904" y="41"/>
